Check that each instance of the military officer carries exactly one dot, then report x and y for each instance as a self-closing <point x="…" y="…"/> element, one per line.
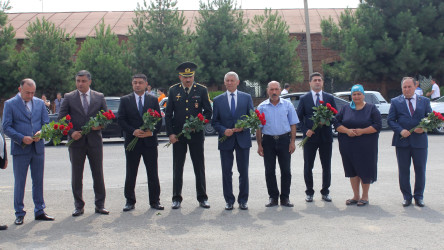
<point x="186" y="99"/>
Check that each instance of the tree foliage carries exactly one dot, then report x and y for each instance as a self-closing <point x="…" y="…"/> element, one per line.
<point x="158" y="42"/>
<point x="107" y="61"/>
<point x="47" y="58"/>
<point x="7" y="53"/>
<point x="385" y="40"/>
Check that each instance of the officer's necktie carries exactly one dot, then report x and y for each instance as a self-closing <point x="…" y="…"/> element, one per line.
<point x="186" y="90"/>
<point x="85" y="104"/>
<point x="411" y="106"/>
<point x="317" y="100"/>
<point x="140" y="106"/>
<point x="233" y="105"/>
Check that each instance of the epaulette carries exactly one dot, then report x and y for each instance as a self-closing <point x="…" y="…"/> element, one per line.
<point x="201" y="85"/>
<point x="174" y="85"/>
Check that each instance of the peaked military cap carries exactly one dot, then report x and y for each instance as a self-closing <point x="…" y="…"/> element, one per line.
<point x="186" y="69"/>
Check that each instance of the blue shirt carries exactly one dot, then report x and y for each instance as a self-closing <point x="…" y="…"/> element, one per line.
<point x="279" y="118"/>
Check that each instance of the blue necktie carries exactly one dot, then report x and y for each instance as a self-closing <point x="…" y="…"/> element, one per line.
<point x="140" y="106"/>
<point x="233" y="105"/>
<point x="317" y="100"/>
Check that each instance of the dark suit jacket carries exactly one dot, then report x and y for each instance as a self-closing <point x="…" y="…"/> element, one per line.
<point x="399" y="118"/>
<point x="305" y="112"/>
<point x="129" y="118"/>
<point x="18" y="123"/>
<point x="223" y="120"/>
<point x="72" y="105"/>
<point x="3" y="160"/>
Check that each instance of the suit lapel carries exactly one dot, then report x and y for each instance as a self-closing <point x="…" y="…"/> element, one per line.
<point x="21" y="106"/>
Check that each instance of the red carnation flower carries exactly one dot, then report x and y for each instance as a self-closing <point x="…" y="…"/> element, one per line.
<point x="65" y="132"/>
<point x="61" y="127"/>
<point x="206" y="121"/>
<point x="257" y="111"/>
<point x="328" y="105"/>
<point x="68" y="117"/>
<point x="70" y="125"/>
<point x="156" y="113"/>
<point x="321" y="102"/>
<point x="56" y="126"/>
<point x="150" y="110"/>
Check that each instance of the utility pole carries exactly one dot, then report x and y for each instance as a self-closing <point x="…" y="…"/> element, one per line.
<point x="308" y="40"/>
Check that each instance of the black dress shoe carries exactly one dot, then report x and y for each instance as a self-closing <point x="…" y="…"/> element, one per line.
<point x="204" y="204"/>
<point x="228" y="206"/>
<point x="419" y="202"/>
<point x="175" y="205"/>
<point x="406" y="203"/>
<point x="101" y="211"/>
<point x="157" y="206"/>
<point x="326" y="197"/>
<point x="19" y="220"/>
<point x="286" y="203"/>
<point x="78" y="212"/>
<point x="128" y="207"/>
<point x="272" y="203"/>
<point x="309" y="198"/>
<point x="243" y="206"/>
<point x="44" y="216"/>
<point x="3" y="227"/>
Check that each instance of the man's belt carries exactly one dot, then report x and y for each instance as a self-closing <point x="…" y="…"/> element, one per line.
<point x="277" y="137"/>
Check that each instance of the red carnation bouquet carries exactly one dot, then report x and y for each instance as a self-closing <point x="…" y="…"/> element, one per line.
<point x="54" y="130"/>
<point x="322" y="115"/>
<point x="432" y="121"/>
<point x="192" y="125"/>
<point x="251" y="121"/>
<point x="150" y="119"/>
<point x="101" y="119"/>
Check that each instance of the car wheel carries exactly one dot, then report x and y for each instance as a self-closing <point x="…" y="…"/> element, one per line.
<point x="439" y="130"/>
<point x="48" y="143"/>
<point x="384" y="122"/>
<point x="209" y="130"/>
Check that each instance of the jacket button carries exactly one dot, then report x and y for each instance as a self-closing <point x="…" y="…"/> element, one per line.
<point x="186" y="117"/>
<point x="186" y="109"/>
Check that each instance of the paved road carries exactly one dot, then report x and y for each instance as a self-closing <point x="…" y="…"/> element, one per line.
<point x="383" y="224"/>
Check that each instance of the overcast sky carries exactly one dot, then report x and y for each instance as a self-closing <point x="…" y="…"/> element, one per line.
<point x="129" y="5"/>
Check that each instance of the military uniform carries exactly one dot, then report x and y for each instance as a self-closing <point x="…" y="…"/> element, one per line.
<point x="181" y="105"/>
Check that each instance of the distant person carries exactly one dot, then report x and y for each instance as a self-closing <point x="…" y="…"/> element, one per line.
<point x="286" y="89"/>
<point x="435" y="93"/>
<point x="418" y="90"/>
<point x="47" y="103"/>
<point x="58" y="102"/>
<point x="3" y="162"/>
<point x="161" y="93"/>
<point x="150" y="91"/>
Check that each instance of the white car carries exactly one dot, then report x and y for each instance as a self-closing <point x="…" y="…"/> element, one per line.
<point x="438" y="106"/>
<point x="373" y="97"/>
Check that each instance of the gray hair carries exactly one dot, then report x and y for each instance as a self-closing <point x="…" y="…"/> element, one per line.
<point x="84" y="73"/>
<point x="407" y="78"/>
<point x="28" y="81"/>
<point x="231" y="73"/>
<point x="268" y="85"/>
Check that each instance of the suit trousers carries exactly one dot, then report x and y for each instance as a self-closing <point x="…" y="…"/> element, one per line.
<point x="325" y="151"/>
<point x="149" y="155"/>
<point x="272" y="149"/>
<point x="405" y="157"/>
<point x="242" y="160"/>
<point x="20" y="165"/>
<point x="95" y="157"/>
<point x="197" y="157"/>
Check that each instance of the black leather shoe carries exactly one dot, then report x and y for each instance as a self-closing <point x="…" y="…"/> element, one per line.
<point x="3" y="227"/>
<point x="272" y="203"/>
<point x="19" y="220"/>
<point x="128" y="207"/>
<point x="228" y="206"/>
<point x="419" y="202"/>
<point x="175" y="205"/>
<point x="78" y="212"/>
<point x="286" y="203"/>
<point x="101" y="211"/>
<point x="326" y="198"/>
<point x="406" y="203"/>
<point x="204" y="204"/>
<point x="157" y="206"/>
<point x="44" y="216"/>
<point x="243" y="206"/>
<point x="309" y="198"/>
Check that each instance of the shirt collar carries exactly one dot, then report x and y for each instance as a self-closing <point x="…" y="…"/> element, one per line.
<point x="268" y="101"/>
<point x="88" y="93"/>
<point x="413" y="97"/>
<point x="314" y="93"/>
<point x="229" y="93"/>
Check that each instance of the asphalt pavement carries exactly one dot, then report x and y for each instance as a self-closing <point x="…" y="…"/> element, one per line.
<point x="383" y="224"/>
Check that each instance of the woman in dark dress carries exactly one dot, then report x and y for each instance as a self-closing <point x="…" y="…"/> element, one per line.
<point x="358" y="125"/>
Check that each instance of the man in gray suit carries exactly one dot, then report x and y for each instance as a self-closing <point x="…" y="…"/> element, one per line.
<point x="81" y="104"/>
<point x="23" y="118"/>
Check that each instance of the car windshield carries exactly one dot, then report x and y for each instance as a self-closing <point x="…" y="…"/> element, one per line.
<point x="113" y="104"/>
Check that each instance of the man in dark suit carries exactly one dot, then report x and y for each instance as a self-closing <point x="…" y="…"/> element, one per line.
<point x="228" y="108"/>
<point x="3" y="161"/>
<point x="406" y="111"/>
<point x="82" y="104"/>
<point x="186" y="99"/>
<point x="131" y="110"/>
<point x="321" y="139"/>
<point x="23" y="118"/>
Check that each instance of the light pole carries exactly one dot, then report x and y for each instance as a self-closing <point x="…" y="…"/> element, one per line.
<point x="307" y="34"/>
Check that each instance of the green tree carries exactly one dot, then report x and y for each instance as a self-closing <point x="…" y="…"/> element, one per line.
<point x="107" y="61"/>
<point x="221" y="41"/>
<point x="7" y="54"/>
<point x="275" y="56"/>
<point x="158" y="42"/>
<point x="385" y="40"/>
<point x="47" y="57"/>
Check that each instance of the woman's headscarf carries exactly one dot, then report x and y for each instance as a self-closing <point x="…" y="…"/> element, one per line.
<point x="356" y="87"/>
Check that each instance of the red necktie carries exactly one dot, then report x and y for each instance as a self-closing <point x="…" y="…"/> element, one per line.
<point x="411" y="106"/>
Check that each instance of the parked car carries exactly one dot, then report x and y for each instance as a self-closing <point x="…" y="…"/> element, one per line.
<point x="438" y="106"/>
<point x="295" y="97"/>
<point x="373" y="97"/>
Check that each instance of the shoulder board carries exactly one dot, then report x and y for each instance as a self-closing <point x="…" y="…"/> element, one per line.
<point x="201" y="85"/>
<point x="175" y="85"/>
